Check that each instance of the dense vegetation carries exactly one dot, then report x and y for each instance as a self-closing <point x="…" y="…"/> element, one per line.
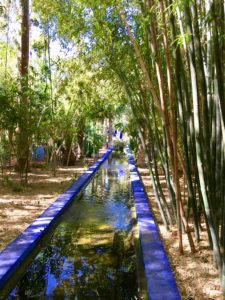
<point x="160" y="63"/>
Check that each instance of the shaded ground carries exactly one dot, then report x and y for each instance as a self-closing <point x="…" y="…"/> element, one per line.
<point x="195" y="275"/>
<point x="20" y="206"/>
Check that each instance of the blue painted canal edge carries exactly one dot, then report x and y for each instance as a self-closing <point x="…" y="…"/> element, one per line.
<point x="17" y="251"/>
<point x="159" y="278"/>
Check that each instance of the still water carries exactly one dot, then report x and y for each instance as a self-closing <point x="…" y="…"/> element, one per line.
<point x="90" y="254"/>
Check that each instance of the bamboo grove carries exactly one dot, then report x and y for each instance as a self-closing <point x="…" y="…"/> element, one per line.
<point x="177" y="100"/>
<point x="178" y="106"/>
<point x="169" y="58"/>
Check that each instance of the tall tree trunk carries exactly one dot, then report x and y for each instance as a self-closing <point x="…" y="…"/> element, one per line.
<point x="23" y="134"/>
<point x="7" y="39"/>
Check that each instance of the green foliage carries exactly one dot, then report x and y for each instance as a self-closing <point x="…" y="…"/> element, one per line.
<point x="133" y="144"/>
<point x="93" y="139"/>
<point x="100" y="75"/>
<point x="9" y="112"/>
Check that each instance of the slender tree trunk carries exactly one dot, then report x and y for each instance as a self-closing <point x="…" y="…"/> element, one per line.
<point x="23" y="135"/>
<point x="7" y="39"/>
<point x="49" y="65"/>
<point x="151" y="148"/>
<point x="142" y="63"/>
<point x="179" y="75"/>
<point x="218" y="56"/>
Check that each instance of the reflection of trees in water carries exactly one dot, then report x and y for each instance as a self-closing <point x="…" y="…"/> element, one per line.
<point x="49" y="261"/>
<point x="33" y="282"/>
<point x="99" y="276"/>
<point x="95" y="274"/>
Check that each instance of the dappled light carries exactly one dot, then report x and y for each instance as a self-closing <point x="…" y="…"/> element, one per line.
<point x="80" y="78"/>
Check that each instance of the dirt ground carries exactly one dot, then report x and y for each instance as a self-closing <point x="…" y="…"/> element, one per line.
<point x="19" y="206"/>
<point x="195" y="275"/>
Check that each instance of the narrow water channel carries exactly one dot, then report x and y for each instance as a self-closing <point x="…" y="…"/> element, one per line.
<point x="90" y="255"/>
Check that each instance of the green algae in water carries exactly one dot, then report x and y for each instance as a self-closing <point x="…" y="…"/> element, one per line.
<point x="82" y="260"/>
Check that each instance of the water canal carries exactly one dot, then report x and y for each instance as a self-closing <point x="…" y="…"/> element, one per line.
<point x="90" y="254"/>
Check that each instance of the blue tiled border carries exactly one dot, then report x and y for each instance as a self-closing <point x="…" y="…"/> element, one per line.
<point x="160" y="282"/>
<point x="17" y="251"/>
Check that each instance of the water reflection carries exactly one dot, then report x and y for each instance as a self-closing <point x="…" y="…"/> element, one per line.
<point x="81" y="261"/>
